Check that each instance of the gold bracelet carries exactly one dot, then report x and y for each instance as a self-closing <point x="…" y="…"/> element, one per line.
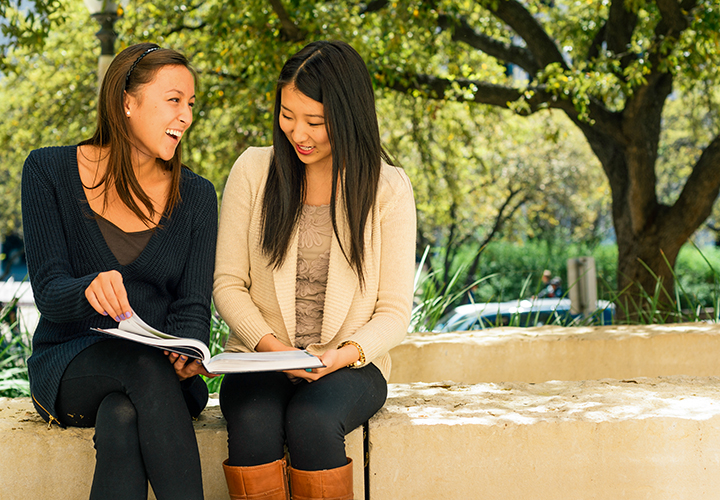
<point x="360" y="361"/>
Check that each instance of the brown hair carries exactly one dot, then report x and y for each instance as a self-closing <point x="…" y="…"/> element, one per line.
<point x="132" y="68"/>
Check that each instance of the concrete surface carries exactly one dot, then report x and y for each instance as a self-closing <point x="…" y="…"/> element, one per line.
<point x="557" y="353"/>
<point x="41" y="462"/>
<point x="654" y="438"/>
<point x="540" y="413"/>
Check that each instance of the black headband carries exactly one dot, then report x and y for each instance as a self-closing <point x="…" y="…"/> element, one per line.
<point x="127" y="77"/>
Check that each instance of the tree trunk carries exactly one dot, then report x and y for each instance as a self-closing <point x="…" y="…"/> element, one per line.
<point x="645" y="276"/>
<point x="649" y="234"/>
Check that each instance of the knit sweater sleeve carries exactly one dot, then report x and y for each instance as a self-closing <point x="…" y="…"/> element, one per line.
<point x="59" y="295"/>
<point x="189" y="313"/>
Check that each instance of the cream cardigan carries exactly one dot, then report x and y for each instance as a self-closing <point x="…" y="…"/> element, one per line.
<point x="256" y="300"/>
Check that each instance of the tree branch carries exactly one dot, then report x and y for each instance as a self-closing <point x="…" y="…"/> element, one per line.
<point x="698" y="196"/>
<point x="596" y="44"/>
<point x="619" y="30"/>
<point x="373" y="6"/>
<point x="289" y="30"/>
<point x="500" y="221"/>
<point x="463" y="32"/>
<point x="433" y="87"/>
<point x="673" y="20"/>
<point x="515" y="15"/>
<point x="183" y="27"/>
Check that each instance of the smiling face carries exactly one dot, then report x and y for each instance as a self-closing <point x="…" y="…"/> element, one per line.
<point x="160" y="112"/>
<point x="303" y="121"/>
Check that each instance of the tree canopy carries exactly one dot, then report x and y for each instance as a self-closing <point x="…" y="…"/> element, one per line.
<point x="609" y="66"/>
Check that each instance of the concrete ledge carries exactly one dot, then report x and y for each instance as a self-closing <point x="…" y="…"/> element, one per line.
<point x="633" y="439"/>
<point x="38" y="462"/>
<point x="636" y="416"/>
<point x="639" y="438"/>
<point x="557" y="353"/>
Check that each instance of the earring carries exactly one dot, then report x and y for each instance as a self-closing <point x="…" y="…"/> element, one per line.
<point x="128" y="113"/>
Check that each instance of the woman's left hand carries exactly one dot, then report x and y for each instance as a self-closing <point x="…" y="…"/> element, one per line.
<point x="333" y="359"/>
<point x="187" y="367"/>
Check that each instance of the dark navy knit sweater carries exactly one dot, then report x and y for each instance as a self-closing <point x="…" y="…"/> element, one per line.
<point x="169" y="285"/>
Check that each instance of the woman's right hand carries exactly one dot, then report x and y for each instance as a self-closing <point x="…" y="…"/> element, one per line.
<point x="106" y="294"/>
<point x="270" y="343"/>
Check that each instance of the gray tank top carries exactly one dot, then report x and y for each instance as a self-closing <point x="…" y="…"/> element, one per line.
<point x="126" y="247"/>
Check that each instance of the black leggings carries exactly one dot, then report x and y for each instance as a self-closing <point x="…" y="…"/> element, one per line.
<point x="143" y="430"/>
<point x="266" y="410"/>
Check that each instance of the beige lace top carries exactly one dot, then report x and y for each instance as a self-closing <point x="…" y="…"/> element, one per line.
<point x="314" y="237"/>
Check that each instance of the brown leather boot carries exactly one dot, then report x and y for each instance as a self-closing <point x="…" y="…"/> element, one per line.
<point x="266" y="481"/>
<point x="330" y="484"/>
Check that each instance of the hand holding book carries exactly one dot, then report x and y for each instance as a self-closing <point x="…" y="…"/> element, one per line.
<point x="137" y="330"/>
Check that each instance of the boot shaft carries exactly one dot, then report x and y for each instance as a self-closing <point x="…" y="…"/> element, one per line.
<point x="258" y="482"/>
<point x="330" y="484"/>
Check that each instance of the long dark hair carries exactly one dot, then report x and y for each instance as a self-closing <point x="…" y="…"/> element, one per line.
<point x="132" y="68"/>
<point x="333" y="74"/>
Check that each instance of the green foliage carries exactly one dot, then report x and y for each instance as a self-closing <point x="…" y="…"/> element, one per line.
<point x="15" y="349"/>
<point x="510" y="272"/>
<point x="435" y="294"/>
<point x="27" y="24"/>
<point x="697" y="273"/>
<point x="509" y="264"/>
<point x="479" y="175"/>
<point x="512" y="264"/>
<point x="687" y="306"/>
<point x="49" y="102"/>
<point x="219" y="332"/>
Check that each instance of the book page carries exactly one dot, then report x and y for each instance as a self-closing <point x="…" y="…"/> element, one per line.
<point x="135" y="324"/>
<point x="137" y="330"/>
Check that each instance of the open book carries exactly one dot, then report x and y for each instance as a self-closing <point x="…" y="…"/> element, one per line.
<point x="137" y="330"/>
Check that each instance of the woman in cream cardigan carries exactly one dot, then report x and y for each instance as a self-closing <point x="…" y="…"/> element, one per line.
<point x="315" y="251"/>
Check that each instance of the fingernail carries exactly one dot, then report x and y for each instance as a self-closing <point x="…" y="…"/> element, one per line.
<point x="309" y="370"/>
<point x="117" y="318"/>
<point x="104" y="313"/>
<point x="198" y="361"/>
<point x="183" y="358"/>
<point x="128" y="314"/>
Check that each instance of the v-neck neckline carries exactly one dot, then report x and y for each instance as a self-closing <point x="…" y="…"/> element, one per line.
<point x="93" y="227"/>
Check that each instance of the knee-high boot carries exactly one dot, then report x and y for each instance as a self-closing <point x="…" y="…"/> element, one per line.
<point x="266" y="481"/>
<point x="330" y="484"/>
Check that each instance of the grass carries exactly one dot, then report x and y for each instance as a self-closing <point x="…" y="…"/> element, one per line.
<point x="434" y="295"/>
<point x="661" y="306"/>
<point x="696" y="296"/>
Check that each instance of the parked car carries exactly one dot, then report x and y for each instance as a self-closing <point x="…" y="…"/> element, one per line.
<point x="526" y="312"/>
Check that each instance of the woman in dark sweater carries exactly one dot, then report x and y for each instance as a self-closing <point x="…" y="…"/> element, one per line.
<point x="116" y="226"/>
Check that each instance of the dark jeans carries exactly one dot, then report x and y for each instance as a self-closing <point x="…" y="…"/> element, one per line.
<point x="143" y="430"/>
<point x="266" y="410"/>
